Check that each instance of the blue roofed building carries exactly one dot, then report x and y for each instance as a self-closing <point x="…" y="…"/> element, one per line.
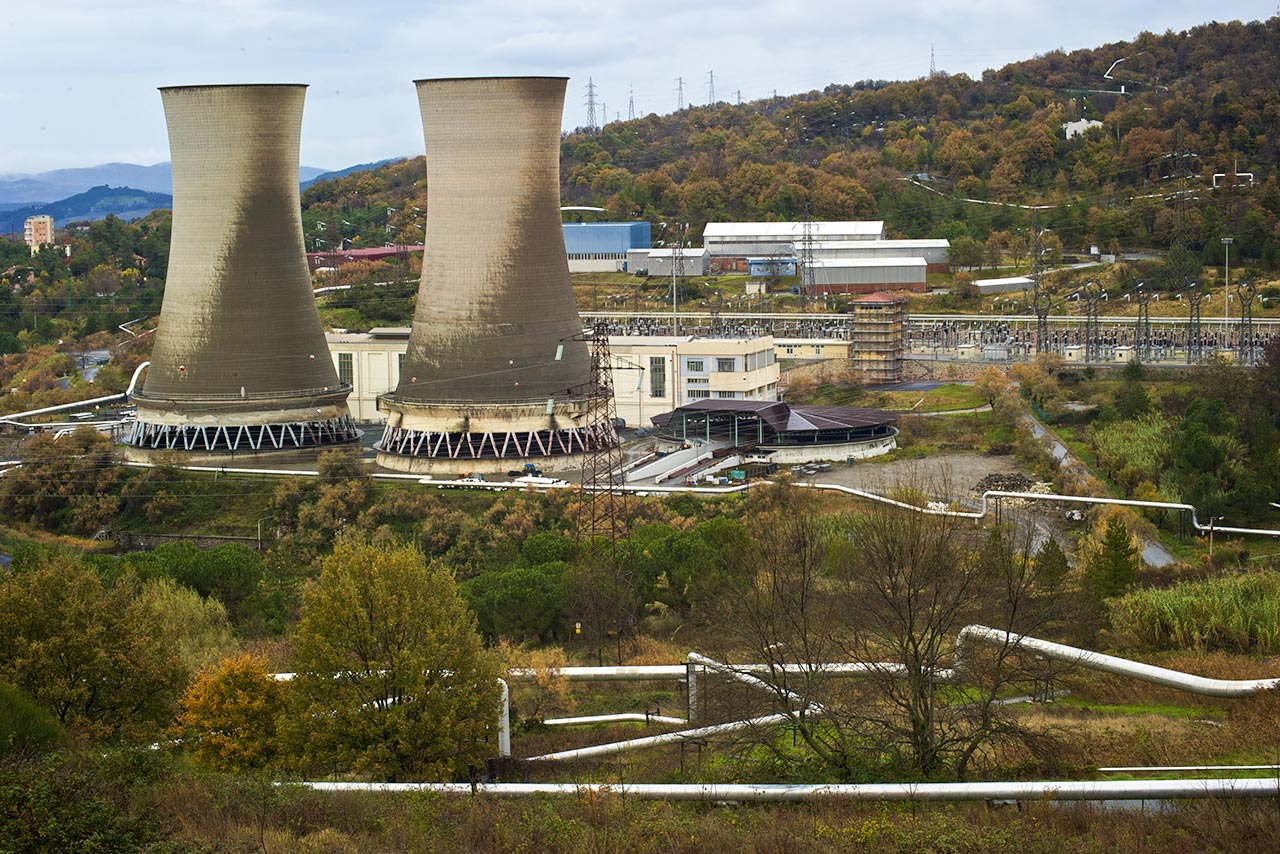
<point x="601" y="247"/>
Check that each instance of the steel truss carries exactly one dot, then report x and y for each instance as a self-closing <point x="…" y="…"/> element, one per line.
<point x="496" y="444"/>
<point x="288" y="436"/>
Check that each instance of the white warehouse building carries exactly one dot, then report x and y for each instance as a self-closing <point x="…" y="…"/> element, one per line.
<point x="936" y="253"/>
<point x="694" y="260"/>
<point x="764" y="239"/>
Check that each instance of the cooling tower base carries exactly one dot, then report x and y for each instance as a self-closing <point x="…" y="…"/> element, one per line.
<point x="234" y="438"/>
<point x="424" y="439"/>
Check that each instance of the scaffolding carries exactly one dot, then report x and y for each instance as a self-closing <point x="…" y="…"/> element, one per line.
<point x="877" y="340"/>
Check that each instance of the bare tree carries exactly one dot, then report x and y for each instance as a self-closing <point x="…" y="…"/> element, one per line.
<point x="892" y="589"/>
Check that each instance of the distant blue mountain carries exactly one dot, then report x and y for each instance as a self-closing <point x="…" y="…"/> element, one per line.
<point x="94" y="203"/>
<point x="350" y="170"/>
<point x="48" y="187"/>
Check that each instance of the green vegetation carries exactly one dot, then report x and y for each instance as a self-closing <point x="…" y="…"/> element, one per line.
<point x="1235" y="613"/>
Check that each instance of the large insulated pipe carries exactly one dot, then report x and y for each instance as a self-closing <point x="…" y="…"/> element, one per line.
<point x="1046" y="790"/>
<point x="496" y="367"/>
<point x="240" y="360"/>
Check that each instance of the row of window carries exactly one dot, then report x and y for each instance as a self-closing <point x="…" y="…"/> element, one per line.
<point x="724" y="364"/>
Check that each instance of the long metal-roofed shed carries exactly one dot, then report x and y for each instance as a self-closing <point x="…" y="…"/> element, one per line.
<point x="774" y="423"/>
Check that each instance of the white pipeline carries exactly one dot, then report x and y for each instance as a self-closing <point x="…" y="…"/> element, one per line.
<point x="657" y="740"/>
<point x="621" y="717"/>
<point x="1047" y="790"/>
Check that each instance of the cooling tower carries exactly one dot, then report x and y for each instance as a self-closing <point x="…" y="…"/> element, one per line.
<point x="496" y="368"/>
<point x="240" y="361"/>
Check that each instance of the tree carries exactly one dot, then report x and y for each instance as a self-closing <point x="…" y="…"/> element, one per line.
<point x="893" y="586"/>
<point x="100" y="658"/>
<point x="230" y="714"/>
<point x="991" y="383"/>
<point x="392" y="679"/>
<point x="1114" y="566"/>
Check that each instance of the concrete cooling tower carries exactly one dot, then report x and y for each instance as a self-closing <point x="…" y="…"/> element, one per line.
<point x="496" y="369"/>
<point x="240" y="362"/>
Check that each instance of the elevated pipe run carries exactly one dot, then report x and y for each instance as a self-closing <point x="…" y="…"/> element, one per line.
<point x="621" y="717"/>
<point x="1047" y="790"/>
<point x="1088" y="659"/>
<point x="79" y="404"/>
<point x="658" y="740"/>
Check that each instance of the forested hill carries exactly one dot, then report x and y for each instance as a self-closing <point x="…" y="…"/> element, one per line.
<point x="1211" y="94"/>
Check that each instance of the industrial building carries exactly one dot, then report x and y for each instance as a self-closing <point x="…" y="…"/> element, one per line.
<point x="497" y="369"/>
<point x="602" y="247"/>
<point x="737" y="241"/>
<point x="239" y="363"/>
<point x="867" y="275"/>
<point x="37" y="231"/>
<point x="877" y="345"/>
<point x="657" y="373"/>
<point x="779" y="433"/>
<point x="651" y="374"/>
<point x="694" y="261"/>
<point x="936" y="253"/>
<point x="1011" y="284"/>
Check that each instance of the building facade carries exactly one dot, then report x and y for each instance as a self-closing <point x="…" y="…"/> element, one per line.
<point x="37" y="231"/>
<point x="655" y="374"/>
<point x="741" y="240"/>
<point x="868" y="275"/>
<point x="602" y="247"/>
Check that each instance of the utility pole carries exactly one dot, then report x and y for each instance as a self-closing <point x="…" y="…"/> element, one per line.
<point x="1143" y="336"/>
<point x="1039" y="299"/>
<point x="1246" y="291"/>
<point x="711" y="87"/>
<point x="591" y="106"/>
<point x="679" y="94"/>
<point x="1092" y="327"/>
<point x="631" y="104"/>
<point x="604" y="114"/>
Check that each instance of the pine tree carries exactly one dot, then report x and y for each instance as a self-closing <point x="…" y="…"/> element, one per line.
<point x="1114" y="567"/>
<point x="1051" y="565"/>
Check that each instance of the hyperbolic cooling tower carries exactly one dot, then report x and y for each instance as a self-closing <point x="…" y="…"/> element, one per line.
<point x="497" y="367"/>
<point x="240" y="361"/>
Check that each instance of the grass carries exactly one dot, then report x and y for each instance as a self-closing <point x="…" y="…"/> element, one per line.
<point x="1168" y="710"/>
<point x="944" y="398"/>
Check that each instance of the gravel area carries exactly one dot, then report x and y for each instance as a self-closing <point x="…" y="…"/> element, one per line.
<point x="944" y="475"/>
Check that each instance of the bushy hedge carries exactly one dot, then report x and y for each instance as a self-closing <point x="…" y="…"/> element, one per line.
<point x="1233" y="613"/>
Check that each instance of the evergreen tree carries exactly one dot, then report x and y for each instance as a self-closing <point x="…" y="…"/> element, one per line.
<point x="1051" y="565"/>
<point x="1114" y="566"/>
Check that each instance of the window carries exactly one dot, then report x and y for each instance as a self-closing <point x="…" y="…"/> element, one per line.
<point x="698" y="381"/>
<point x="727" y="395"/>
<point x="724" y="365"/>
<point x="817" y="349"/>
<point x="698" y="394"/>
<point x="657" y="376"/>
<point x="346" y="369"/>
<point x="696" y="366"/>
<point x="791" y="351"/>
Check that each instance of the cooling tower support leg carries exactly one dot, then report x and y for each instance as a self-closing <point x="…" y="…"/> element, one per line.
<point x="257" y="437"/>
<point x="496" y="444"/>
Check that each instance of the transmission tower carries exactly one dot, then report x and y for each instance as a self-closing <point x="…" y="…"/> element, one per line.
<point x="933" y="64"/>
<point x="1039" y="299"/>
<point x="591" y="106"/>
<point x="711" y="87"/>
<point x="1246" y="292"/>
<point x="677" y="273"/>
<point x="605" y="599"/>
<point x="679" y="94"/>
<point x="717" y="305"/>
<point x="1143" y="343"/>
<point x="631" y="104"/>
<point x="806" y="260"/>
<point x="1195" y="340"/>
<point x="1092" y="328"/>
<point x="738" y="96"/>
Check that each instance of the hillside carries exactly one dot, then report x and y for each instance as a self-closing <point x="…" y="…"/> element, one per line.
<point x="47" y="187"/>
<point x="95" y="203"/>
<point x="1210" y="93"/>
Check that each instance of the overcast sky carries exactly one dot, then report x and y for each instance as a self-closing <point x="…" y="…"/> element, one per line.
<point x="80" y="77"/>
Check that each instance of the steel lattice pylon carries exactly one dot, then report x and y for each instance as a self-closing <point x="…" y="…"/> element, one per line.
<point x="602" y="474"/>
<point x="604" y="594"/>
